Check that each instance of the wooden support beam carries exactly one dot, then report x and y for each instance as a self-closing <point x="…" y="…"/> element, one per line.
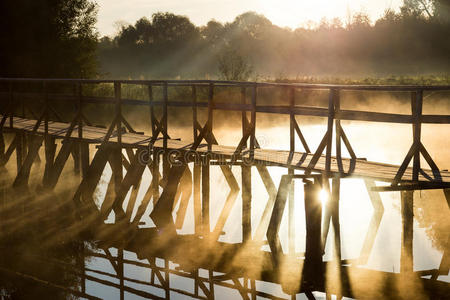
<point x="313" y="268"/>
<point x="374" y="225"/>
<point x="50" y="150"/>
<point x="185" y="189"/>
<point x="197" y="198"/>
<point x="12" y="146"/>
<point x="20" y="151"/>
<point x="246" y="203"/>
<point x="60" y="161"/>
<point x="206" y="228"/>
<point x="416" y="107"/>
<point x="271" y="189"/>
<point x="24" y="172"/>
<point x="229" y="202"/>
<point x="83" y="195"/>
<point x="162" y="211"/>
<point x="275" y="221"/>
<point x="406" y="258"/>
<point x="291" y="215"/>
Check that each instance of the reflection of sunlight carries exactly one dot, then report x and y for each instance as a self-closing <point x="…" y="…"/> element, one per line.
<point x="323" y="196"/>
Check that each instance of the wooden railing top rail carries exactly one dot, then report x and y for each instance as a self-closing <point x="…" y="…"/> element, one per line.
<point x="240" y="84"/>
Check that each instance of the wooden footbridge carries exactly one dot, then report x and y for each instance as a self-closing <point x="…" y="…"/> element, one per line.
<point x="42" y="114"/>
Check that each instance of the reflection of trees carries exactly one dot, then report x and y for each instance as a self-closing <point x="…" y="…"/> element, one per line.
<point x="431" y="212"/>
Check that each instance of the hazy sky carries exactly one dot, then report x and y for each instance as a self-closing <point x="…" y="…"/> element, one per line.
<point x="290" y="13"/>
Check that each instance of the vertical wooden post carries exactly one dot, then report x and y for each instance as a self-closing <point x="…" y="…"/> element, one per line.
<point x="407" y="205"/>
<point x="167" y="278"/>
<point x="334" y="206"/>
<point x="312" y="268"/>
<point x="292" y="119"/>
<point x="246" y="202"/>
<point x="19" y="150"/>
<point x="11" y="105"/>
<point x="194" y="111"/>
<point x="210" y="114"/>
<point x="253" y="122"/>
<point x="50" y="149"/>
<point x="291" y="215"/>
<point x="197" y="198"/>
<point x="155" y="175"/>
<point x="205" y="198"/>
<point x="166" y="165"/>
<point x="45" y="110"/>
<point x="244" y="112"/>
<point x="118" y="96"/>
<point x="291" y="197"/>
<point x="121" y="273"/>
<point x="416" y="107"/>
<point x="331" y="99"/>
<point x="152" y="110"/>
<point x="337" y="108"/>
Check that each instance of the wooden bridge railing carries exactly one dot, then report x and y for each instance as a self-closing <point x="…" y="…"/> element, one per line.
<point x="333" y="113"/>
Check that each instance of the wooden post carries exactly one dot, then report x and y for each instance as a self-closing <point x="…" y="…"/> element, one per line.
<point x="167" y="278"/>
<point x="166" y="165"/>
<point x="152" y="110"/>
<point x="253" y="122"/>
<point x="118" y="96"/>
<point x="416" y="107"/>
<point x="406" y="258"/>
<point x="194" y="111"/>
<point x="205" y="198"/>
<point x="292" y="119"/>
<point x="11" y="105"/>
<point x="334" y="205"/>
<point x="291" y="215"/>
<point x="244" y="112"/>
<point x="313" y="267"/>
<point x="210" y="114"/>
<point x="155" y="175"/>
<point x="19" y="150"/>
<point x="46" y="116"/>
<point x="291" y="196"/>
<point x="331" y="99"/>
<point x="197" y="198"/>
<point x="246" y="203"/>
<point x="337" y="108"/>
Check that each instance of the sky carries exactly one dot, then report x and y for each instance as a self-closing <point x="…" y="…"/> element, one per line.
<point x="284" y="13"/>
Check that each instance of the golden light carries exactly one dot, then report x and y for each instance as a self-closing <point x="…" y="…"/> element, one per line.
<point x="323" y="196"/>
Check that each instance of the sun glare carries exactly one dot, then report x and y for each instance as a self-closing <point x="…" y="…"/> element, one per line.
<point x="323" y="196"/>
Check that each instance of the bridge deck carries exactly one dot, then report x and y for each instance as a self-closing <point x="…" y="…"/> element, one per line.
<point x="299" y="160"/>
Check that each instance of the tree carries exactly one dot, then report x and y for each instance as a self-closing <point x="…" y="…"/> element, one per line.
<point x="233" y="66"/>
<point x="48" y="38"/>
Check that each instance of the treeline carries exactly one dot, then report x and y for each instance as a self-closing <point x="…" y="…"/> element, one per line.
<point x="251" y="47"/>
<point x="57" y="38"/>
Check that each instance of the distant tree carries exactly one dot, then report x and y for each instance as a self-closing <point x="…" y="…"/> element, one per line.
<point x="48" y="38"/>
<point x="233" y="66"/>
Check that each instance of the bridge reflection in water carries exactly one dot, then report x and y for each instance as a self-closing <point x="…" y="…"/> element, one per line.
<point x="50" y="242"/>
